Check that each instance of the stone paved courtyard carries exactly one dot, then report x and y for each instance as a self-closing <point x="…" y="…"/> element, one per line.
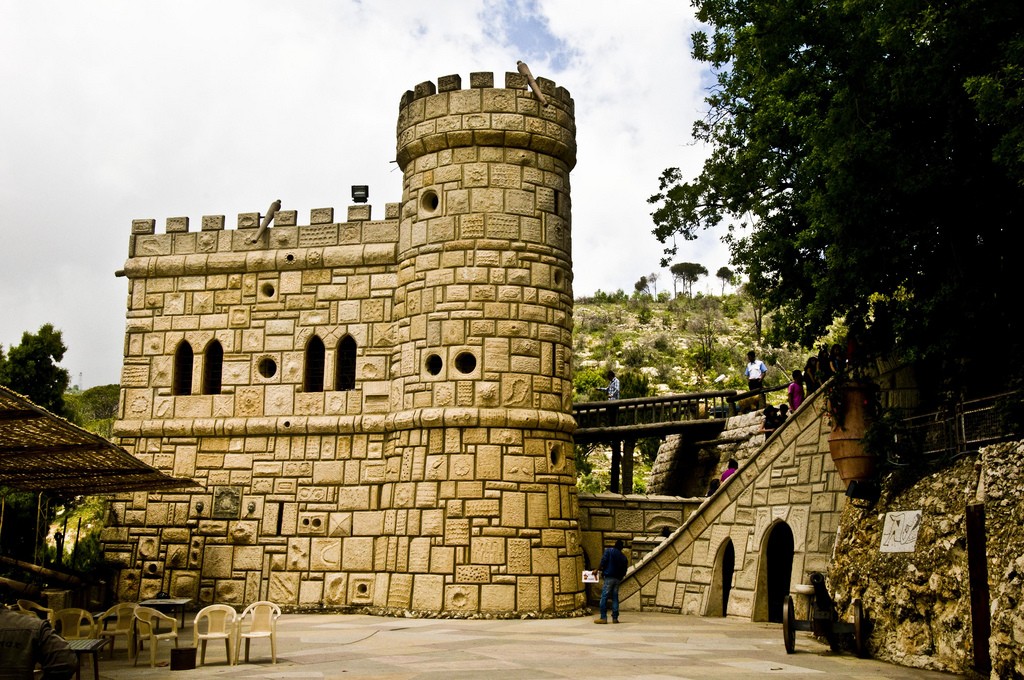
<point x="645" y="646"/>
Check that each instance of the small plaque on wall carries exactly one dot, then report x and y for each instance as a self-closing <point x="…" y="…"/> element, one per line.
<point x="899" y="533"/>
<point x="227" y="502"/>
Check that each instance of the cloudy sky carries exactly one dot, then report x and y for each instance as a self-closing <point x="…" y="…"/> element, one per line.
<point x="114" y="110"/>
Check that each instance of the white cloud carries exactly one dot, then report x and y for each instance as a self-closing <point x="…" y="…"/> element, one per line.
<point x="123" y="109"/>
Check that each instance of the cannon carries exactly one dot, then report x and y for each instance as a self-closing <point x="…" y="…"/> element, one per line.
<point x="822" y="619"/>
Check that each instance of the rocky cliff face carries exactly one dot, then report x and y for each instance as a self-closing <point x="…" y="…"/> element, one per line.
<point x="919" y="602"/>
<point x="1004" y="481"/>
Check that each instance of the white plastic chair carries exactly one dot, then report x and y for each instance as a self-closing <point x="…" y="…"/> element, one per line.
<point x="124" y="624"/>
<point x="262" y="618"/>
<point x="220" y="625"/>
<point x="147" y="625"/>
<point x="74" y="624"/>
<point x="39" y="610"/>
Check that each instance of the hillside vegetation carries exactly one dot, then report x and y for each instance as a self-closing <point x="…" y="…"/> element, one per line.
<point x="672" y="345"/>
<point x="667" y="345"/>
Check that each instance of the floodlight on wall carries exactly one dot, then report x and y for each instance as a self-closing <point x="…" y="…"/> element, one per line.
<point x="360" y="193"/>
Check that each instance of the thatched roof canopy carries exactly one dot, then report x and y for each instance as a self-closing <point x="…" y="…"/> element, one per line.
<point x="43" y="452"/>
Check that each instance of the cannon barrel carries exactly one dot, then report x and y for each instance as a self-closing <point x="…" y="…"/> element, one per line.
<point x="822" y="599"/>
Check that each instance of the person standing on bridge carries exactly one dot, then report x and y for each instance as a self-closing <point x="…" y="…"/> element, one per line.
<point x="613" y="569"/>
<point x="755" y="372"/>
<point x="613" y="386"/>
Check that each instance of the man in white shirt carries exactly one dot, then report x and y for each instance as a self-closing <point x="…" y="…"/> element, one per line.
<point x="755" y="372"/>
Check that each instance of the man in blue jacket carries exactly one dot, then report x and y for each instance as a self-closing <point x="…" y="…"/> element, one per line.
<point x="613" y="569"/>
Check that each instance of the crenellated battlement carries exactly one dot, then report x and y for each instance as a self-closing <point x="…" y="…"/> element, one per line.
<point x="360" y="212"/>
<point x="483" y="80"/>
<point x="212" y="236"/>
<point x="445" y="116"/>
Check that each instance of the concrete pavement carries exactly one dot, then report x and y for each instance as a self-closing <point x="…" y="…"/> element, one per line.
<point x="645" y="646"/>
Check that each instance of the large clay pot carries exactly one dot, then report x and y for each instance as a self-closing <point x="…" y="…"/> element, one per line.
<point x="852" y="460"/>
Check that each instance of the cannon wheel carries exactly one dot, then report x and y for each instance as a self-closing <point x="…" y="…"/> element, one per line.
<point x="859" y="629"/>
<point x="788" y="625"/>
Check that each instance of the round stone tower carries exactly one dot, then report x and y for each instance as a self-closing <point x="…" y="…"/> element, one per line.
<point x="481" y="411"/>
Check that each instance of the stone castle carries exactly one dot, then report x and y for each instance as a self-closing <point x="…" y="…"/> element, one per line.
<point x="378" y="411"/>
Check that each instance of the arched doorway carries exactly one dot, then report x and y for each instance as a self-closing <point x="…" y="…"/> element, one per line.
<point x="774" y="574"/>
<point x="721" y="580"/>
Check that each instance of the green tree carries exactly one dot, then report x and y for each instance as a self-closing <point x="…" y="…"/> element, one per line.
<point x="756" y="299"/>
<point x="586" y="381"/>
<point x="688" y="273"/>
<point x="31" y="368"/>
<point x="634" y="384"/>
<point x="725" y="275"/>
<point x="873" y="151"/>
<point x="95" y="409"/>
<point x="709" y="328"/>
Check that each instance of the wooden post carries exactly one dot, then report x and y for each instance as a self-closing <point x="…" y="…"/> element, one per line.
<point x="616" y="461"/>
<point x="977" y="569"/>
<point x="627" y="466"/>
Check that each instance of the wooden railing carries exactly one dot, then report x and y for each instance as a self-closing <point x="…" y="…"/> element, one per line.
<point x="652" y="410"/>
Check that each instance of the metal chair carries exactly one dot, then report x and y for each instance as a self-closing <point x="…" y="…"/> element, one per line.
<point x="147" y="627"/>
<point x="74" y="624"/>
<point x="262" y="618"/>
<point x="124" y="624"/>
<point x="220" y="625"/>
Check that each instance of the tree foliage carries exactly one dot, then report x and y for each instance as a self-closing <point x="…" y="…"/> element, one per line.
<point x="688" y="273"/>
<point x="725" y="275"/>
<point x="95" y="409"/>
<point x="867" y="158"/>
<point x="31" y="368"/>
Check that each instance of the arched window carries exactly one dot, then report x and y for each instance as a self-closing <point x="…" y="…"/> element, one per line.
<point x="182" y="382"/>
<point x="213" y="368"/>
<point x="345" y="373"/>
<point x="313" y="380"/>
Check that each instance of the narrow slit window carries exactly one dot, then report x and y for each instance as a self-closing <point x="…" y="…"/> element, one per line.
<point x="213" y="368"/>
<point x="183" y="358"/>
<point x="314" y="377"/>
<point x="345" y="378"/>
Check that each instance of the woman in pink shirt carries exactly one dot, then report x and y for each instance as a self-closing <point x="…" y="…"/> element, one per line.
<point x="796" y="391"/>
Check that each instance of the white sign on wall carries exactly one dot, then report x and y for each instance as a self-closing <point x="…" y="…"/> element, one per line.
<point x="899" y="533"/>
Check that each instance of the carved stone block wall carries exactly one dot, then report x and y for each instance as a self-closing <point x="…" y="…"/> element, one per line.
<point x="378" y="413"/>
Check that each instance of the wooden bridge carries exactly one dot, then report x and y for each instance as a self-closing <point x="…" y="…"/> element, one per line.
<point x="698" y="416"/>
